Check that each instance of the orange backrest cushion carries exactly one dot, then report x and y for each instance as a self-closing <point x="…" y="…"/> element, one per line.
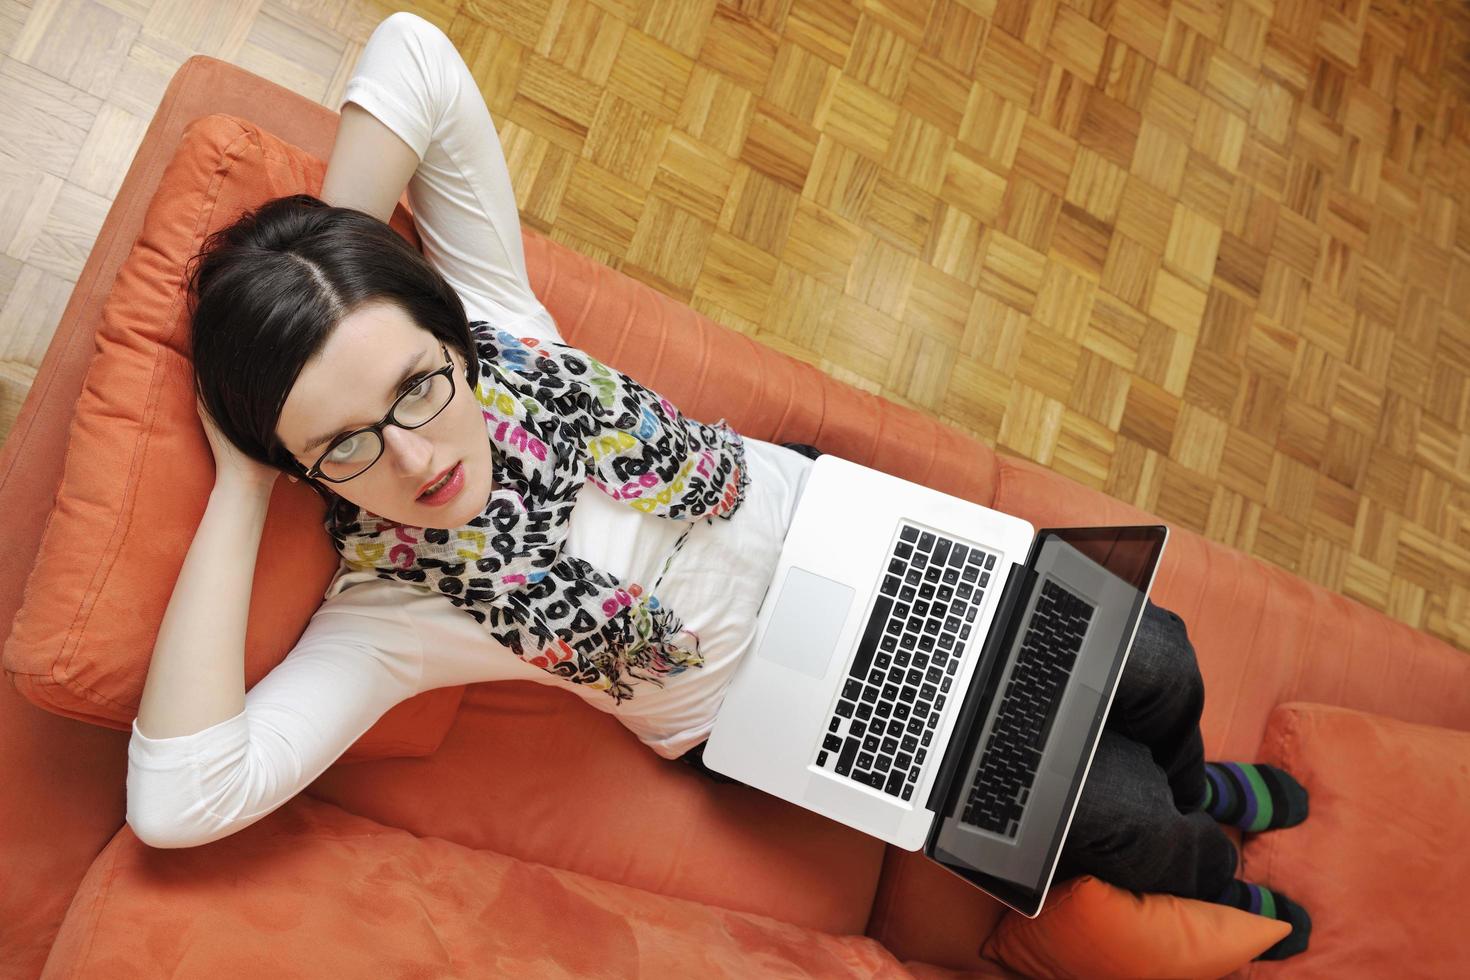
<point x="1381" y="862"/>
<point x="138" y="473"/>
<point x="1089" y="928"/>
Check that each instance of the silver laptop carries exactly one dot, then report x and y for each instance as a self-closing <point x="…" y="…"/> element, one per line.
<point x="936" y="673"/>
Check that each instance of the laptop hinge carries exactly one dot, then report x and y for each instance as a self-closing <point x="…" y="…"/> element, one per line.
<point x="1018" y="584"/>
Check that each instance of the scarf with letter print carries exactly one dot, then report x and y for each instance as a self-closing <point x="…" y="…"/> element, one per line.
<point x="557" y="418"/>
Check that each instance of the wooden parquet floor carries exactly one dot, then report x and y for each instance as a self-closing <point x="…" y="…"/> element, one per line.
<point x="1209" y="256"/>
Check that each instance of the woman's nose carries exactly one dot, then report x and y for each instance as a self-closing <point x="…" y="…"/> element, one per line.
<point x="410" y="452"/>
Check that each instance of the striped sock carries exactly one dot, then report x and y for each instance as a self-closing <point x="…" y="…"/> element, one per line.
<point x="1259" y="900"/>
<point x="1253" y="797"/>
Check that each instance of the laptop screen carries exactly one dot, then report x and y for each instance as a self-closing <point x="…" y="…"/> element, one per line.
<point x="1037" y="703"/>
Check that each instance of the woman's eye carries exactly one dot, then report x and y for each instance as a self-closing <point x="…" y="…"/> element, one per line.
<point x="343" y="450"/>
<point x="421" y="389"/>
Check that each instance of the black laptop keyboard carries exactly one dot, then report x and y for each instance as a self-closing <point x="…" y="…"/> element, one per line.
<point x="1027" y="709"/>
<point x="880" y="731"/>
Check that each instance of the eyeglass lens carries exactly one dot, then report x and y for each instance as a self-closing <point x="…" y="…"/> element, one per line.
<point x="416" y="407"/>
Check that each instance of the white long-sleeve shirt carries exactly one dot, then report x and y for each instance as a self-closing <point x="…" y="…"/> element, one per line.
<point x="374" y="643"/>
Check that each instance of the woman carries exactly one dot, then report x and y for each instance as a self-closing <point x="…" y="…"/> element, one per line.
<point x="430" y="402"/>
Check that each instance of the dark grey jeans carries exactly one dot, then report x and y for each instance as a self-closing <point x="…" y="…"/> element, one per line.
<point x="1138" y="823"/>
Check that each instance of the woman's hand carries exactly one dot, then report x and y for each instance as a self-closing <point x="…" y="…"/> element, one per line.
<point x="231" y="465"/>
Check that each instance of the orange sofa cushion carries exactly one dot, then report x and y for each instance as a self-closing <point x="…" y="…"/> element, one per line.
<point x="319" y="892"/>
<point x="1089" y="928"/>
<point x="138" y="473"/>
<point x="1380" y="863"/>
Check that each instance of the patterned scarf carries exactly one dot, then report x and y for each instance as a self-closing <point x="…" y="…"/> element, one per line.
<point x="556" y="418"/>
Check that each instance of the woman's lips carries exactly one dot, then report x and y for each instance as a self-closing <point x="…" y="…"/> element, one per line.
<point x="450" y="490"/>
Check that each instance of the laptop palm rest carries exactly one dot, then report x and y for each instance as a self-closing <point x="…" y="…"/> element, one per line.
<point x="806" y="622"/>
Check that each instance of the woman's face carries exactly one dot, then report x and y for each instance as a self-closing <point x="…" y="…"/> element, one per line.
<point x="372" y="356"/>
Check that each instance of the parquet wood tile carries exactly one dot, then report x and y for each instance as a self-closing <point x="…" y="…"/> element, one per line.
<point x="1211" y="257"/>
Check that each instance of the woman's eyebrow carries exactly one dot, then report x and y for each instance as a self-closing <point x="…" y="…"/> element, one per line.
<point x="408" y="371"/>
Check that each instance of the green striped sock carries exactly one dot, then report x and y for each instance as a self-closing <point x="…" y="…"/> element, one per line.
<point x="1253" y="797"/>
<point x="1259" y="900"/>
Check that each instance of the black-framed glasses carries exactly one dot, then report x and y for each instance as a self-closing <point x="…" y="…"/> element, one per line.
<point x="353" y="453"/>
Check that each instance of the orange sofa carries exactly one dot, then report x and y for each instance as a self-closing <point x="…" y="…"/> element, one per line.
<point x="473" y="861"/>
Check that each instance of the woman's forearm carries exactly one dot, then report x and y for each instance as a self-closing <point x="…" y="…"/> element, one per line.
<point x="197" y="676"/>
<point x="369" y="166"/>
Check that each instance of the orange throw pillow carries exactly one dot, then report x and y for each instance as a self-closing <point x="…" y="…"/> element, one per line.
<point x="1381" y="863"/>
<point x="1089" y="928"/>
<point x="139" y="470"/>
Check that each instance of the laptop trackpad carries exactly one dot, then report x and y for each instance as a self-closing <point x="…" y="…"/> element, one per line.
<point x="807" y="619"/>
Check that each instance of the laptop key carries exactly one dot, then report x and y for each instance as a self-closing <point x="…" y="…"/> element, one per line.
<point x="926" y="541"/>
<point x="864" y="710"/>
<point x="908" y="533"/>
<point x="941" y="551"/>
<point x="907" y="594"/>
<point x="833" y="725"/>
<point x="895" y="782"/>
<point x="890" y="745"/>
<point x="989" y="561"/>
<point x="821" y="758"/>
<point x="883" y="763"/>
<point x="832" y="743"/>
<point x="852" y="688"/>
<point x="910" y="743"/>
<point x="865" y="760"/>
<point x="849" y="753"/>
<point x="908" y="791"/>
<point x="870" y="743"/>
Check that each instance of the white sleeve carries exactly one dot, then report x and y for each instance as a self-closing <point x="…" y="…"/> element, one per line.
<point x="412" y="78"/>
<point x="352" y="663"/>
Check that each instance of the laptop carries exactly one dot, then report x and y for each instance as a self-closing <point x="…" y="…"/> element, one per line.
<point x="936" y="673"/>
